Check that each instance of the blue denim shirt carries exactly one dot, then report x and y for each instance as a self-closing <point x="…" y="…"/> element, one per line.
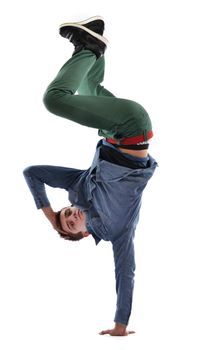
<point x="110" y="195"/>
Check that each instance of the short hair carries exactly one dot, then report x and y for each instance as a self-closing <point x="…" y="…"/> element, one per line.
<point x="69" y="235"/>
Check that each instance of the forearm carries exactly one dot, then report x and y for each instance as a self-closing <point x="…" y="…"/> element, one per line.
<point x="124" y="275"/>
<point x="36" y="187"/>
<point x="50" y="215"/>
<point x="124" y="291"/>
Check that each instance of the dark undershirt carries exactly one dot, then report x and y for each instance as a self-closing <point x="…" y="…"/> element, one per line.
<point x="113" y="156"/>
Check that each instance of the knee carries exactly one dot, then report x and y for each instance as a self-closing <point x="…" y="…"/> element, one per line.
<point x="49" y="101"/>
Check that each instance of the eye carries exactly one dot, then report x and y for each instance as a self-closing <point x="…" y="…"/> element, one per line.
<point x="68" y="212"/>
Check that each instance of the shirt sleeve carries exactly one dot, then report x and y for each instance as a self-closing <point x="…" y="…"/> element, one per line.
<point x="124" y="259"/>
<point x="59" y="177"/>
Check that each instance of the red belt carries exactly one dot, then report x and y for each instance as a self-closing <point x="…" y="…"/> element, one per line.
<point x="131" y="140"/>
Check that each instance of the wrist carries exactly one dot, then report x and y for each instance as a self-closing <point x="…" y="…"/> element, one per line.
<point x="49" y="213"/>
<point x="120" y="326"/>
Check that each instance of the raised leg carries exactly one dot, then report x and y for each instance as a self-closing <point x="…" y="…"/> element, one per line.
<point x="114" y="117"/>
<point x="91" y="84"/>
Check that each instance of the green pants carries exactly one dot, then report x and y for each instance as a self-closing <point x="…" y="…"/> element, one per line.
<point x="94" y="106"/>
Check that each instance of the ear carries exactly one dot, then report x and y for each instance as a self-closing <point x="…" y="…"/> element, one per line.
<point x="86" y="234"/>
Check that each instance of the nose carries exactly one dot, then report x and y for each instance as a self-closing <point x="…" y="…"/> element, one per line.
<point x="76" y="215"/>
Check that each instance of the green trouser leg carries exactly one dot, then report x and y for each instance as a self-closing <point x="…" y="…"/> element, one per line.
<point x="95" y="106"/>
<point x="91" y="85"/>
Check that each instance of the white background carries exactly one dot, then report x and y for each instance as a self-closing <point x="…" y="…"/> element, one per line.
<point x="57" y="294"/>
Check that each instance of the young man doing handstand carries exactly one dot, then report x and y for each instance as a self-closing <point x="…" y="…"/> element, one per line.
<point x="106" y="198"/>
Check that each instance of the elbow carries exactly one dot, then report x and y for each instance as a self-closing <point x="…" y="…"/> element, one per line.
<point x="28" y="171"/>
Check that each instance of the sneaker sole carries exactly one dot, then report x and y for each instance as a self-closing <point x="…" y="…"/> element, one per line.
<point x="77" y="25"/>
<point x="91" y="19"/>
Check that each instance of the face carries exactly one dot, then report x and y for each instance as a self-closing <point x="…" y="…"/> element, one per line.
<point x="73" y="220"/>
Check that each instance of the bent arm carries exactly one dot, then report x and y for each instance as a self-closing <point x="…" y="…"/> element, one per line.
<point x="58" y="177"/>
<point x="124" y="259"/>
